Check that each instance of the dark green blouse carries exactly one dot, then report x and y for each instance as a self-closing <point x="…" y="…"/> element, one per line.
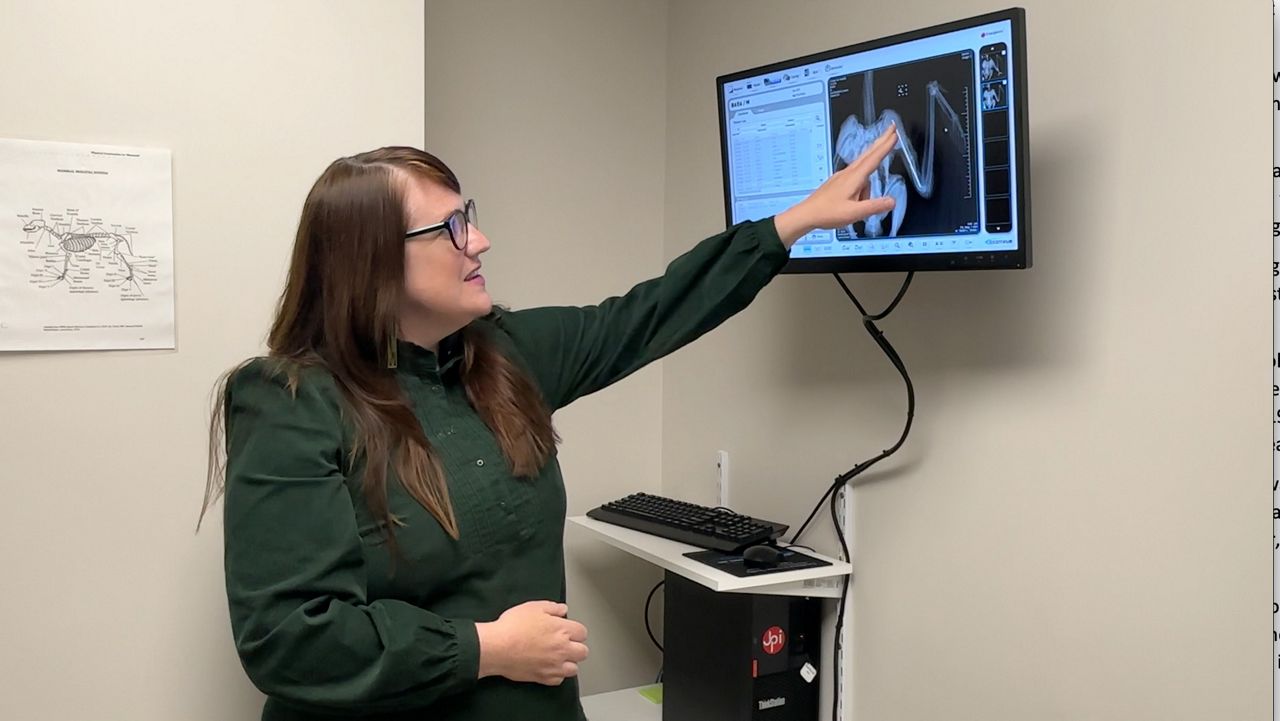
<point x="321" y="624"/>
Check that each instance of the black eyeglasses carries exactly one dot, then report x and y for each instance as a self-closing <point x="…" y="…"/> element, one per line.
<point x="456" y="225"/>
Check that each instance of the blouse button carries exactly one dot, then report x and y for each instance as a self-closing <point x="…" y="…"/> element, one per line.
<point x="480" y="462"/>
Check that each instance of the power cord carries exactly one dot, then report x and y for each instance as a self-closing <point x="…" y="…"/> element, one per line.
<point x="868" y="322"/>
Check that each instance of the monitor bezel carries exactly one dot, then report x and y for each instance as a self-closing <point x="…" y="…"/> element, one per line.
<point x="1017" y="259"/>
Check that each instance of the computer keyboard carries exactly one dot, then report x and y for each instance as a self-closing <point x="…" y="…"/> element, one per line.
<point x="715" y="528"/>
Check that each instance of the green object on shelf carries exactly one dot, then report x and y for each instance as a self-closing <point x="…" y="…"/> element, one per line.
<point x="653" y="693"/>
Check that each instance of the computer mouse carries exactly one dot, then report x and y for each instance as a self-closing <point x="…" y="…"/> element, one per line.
<point x="762" y="556"/>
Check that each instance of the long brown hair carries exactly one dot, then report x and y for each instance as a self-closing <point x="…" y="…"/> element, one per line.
<point x="339" y="311"/>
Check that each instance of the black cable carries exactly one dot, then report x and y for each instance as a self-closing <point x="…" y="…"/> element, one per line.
<point x="868" y="322"/>
<point x="884" y="313"/>
<point x="649" y="629"/>
<point x="837" y="646"/>
<point x="911" y="407"/>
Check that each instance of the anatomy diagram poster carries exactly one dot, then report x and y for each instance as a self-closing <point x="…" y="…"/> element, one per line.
<point x="86" y="247"/>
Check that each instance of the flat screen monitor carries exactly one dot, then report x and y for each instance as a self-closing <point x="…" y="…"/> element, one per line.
<point x="959" y="174"/>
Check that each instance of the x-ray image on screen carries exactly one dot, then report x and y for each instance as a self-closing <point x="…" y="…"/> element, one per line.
<point x="993" y="95"/>
<point x="931" y="173"/>
<point x="992" y="66"/>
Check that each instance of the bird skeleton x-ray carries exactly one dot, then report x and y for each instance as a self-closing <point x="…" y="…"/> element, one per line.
<point x="854" y="138"/>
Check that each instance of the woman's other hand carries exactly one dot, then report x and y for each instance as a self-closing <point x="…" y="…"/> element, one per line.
<point x="532" y="642"/>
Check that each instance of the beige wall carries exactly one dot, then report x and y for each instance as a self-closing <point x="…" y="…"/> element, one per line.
<point x="112" y="608"/>
<point x="1076" y="527"/>
<point x="553" y="112"/>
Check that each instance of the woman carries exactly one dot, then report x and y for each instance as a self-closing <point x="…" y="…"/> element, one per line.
<point x="394" y="509"/>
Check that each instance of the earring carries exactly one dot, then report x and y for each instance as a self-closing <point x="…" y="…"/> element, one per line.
<point x="392" y="359"/>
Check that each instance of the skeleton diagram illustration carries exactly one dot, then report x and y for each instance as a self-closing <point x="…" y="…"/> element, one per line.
<point x="77" y="244"/>
<point x="854" y="138"/>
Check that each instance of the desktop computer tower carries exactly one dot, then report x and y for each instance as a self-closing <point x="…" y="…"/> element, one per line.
<point x="738" y="656"/>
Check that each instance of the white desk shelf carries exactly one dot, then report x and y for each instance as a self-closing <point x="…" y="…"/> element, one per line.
<point x="822" y="582"/>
